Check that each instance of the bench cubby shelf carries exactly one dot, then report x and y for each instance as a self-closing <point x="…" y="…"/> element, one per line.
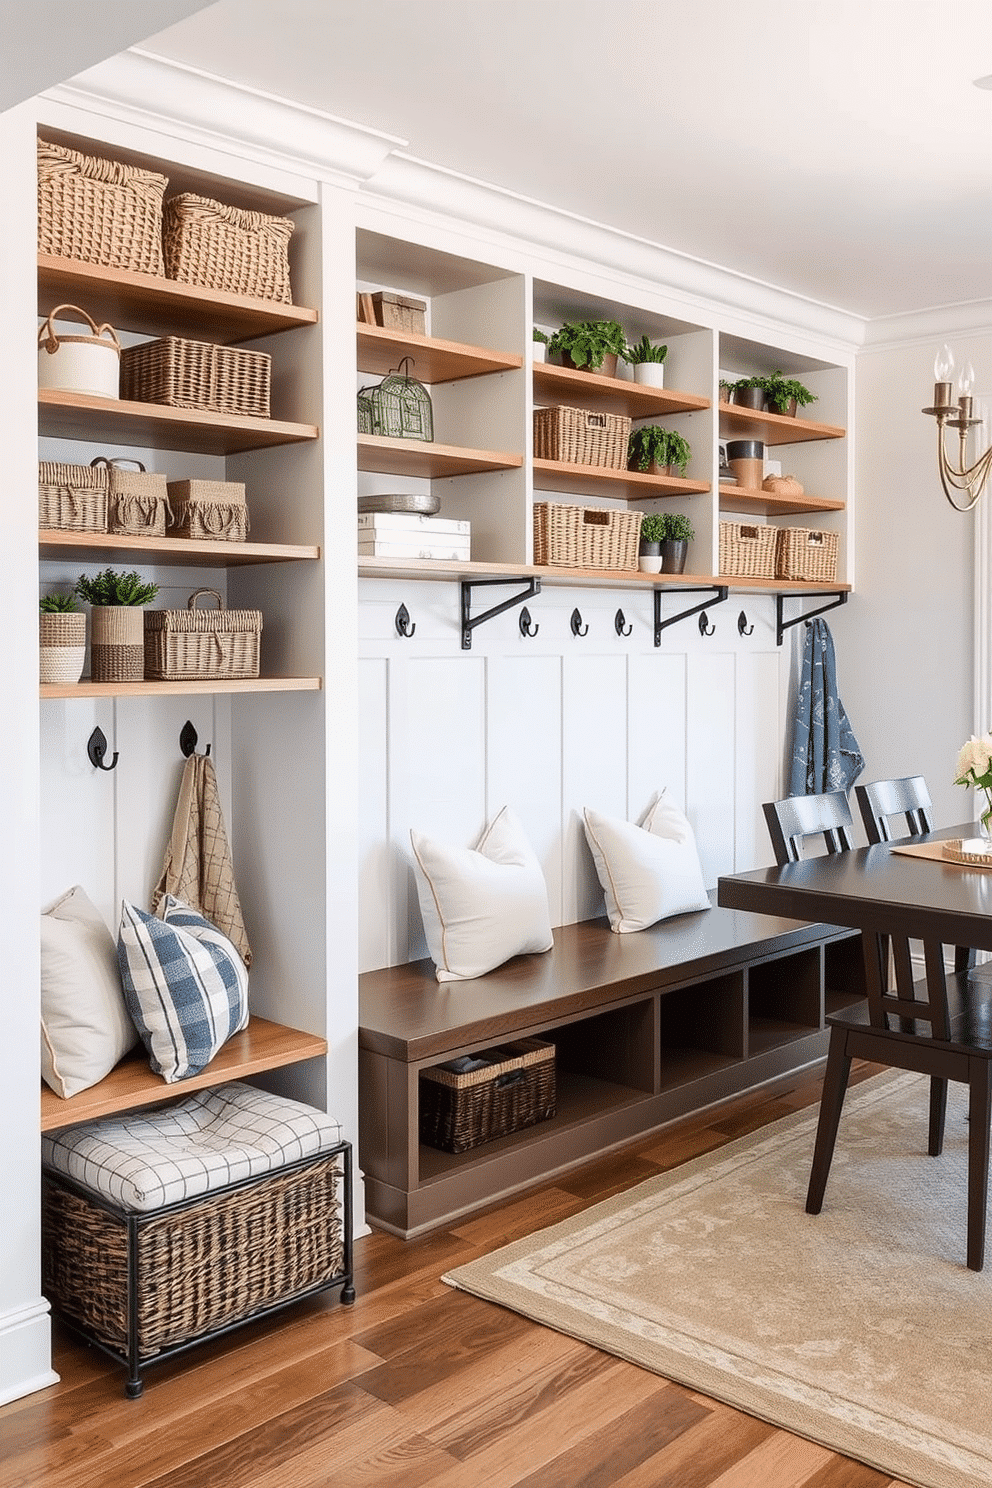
<point x="647" y="1027"/>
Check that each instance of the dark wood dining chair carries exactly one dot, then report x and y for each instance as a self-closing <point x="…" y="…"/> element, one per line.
<point x="881" y="799"/>
<point x="796" y="817"/>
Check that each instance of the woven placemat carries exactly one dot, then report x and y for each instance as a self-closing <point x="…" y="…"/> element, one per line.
<point x="950" y="851"/>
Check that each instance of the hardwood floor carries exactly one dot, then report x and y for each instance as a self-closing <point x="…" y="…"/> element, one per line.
<point x="420" y="1384"/>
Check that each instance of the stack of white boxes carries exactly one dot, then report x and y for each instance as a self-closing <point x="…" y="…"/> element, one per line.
<point x="406" y="535"/>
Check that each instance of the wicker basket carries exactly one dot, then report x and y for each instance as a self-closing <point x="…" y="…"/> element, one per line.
<point x="577" y="436"/>
<point x="99" y="211"/>
<point x="805" y="553"/>
<point x="181" y="645"/>
<point x="72" y="498"/>
<point x="747" y="550"/>
<point x="585" y="536"/>
<point x="197" y="374"/>
<point x="221" y="247"/>
<point x="209" y="509"/>
<point x="515" y="1088"/>
<point x="138" y="499"/>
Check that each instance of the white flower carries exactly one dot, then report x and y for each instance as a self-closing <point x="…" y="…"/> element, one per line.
<point x="975" y="761"/>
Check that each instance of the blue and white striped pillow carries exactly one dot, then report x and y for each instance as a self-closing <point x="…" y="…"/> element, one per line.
<point x="185" y="985"/>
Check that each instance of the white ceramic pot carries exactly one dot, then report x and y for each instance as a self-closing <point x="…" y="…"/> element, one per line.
<point x="652" y="374"/>
<point x="61" y="646"/>
<point x="540" y="350"/>
<point x="649" y="563"/>
<point x="79" y="364"/>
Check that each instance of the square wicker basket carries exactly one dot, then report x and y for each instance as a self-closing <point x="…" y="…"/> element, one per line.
<point x="585" y="536"/>
<point x="209" y="509"/>
<point x="514" y="1088"/>
<point x="182" y="645"/>
<point x="197" y="374"/>
<point x="72" y="498"/>
<point x="578" y="436"/>
<point x="99" y="211"/>
<point x="747" y="550"/>
<point x="137" y="499"/>
<point x="221" y="247"/>
<point x="806" y="553"/>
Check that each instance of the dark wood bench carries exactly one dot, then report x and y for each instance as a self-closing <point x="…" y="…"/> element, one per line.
<point x="646" y="1027"/>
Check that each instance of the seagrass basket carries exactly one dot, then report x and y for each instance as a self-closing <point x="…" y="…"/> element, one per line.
<point x="806" y="553"/>
<point x="747" y="550"/>
<point x="222" y="247"/>
<point x="209" y="509"/>
<point x="183" y="645"/>
<point x="197" y="374"/>
<point x="513" y="1089"/>
<point x="578" y="436"/>
<point x="137" y="499"/>
<point x="99" y="211"/>
<point x="72" y="498"/>
<point x="585" y="536"/>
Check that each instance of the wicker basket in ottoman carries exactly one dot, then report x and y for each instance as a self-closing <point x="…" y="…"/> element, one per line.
<point x="209" y="509"/>
<point x="72" y="498"/>
<point x="162" y="1229"/>
<point x="197" y="374"/>
<point x="585" y="536"/>
<point x="482" y="1096"/>
<point x="221" y="247"/>
<point x="747" y="550"/>
<point x="577" y="436"/>
<point x="99" y="211"/>
<point x="806" y="553"/>
<point x="183" y="645"/>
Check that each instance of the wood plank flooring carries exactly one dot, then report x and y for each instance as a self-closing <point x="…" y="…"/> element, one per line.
<point x="420" y="1384"/>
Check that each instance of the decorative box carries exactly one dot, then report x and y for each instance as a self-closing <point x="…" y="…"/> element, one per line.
<point x="209" y="509"/>
<point x="181" y="645"/>
<point x="197" y="374"/>
<point x="99" y="211"/>
<point x="478" y="1097"/>
<point x="405" y="535"/>
<point x="399" y="313"/>
<point x="221" y="247"/>
<point x="585" y="536"/>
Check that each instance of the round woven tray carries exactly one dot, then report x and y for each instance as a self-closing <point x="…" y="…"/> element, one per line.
<point x="425" y="505"/>
<point x="957" y="850"/>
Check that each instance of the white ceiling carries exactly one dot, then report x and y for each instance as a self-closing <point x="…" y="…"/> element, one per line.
<point x="839" y="150"/>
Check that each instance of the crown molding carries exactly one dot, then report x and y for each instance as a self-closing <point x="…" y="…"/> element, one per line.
<point x="967" y="318"/>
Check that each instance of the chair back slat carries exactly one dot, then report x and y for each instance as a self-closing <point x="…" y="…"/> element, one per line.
<point x="796" y="817"/>
<point x="881" y="799"/>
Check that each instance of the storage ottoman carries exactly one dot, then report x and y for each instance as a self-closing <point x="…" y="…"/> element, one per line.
<point x="161" y="1229"/>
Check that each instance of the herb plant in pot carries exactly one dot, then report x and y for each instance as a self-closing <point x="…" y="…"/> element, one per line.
<point x="658" y="451"/>
<point x="653" y="527"/>
<point x="785" y="394"/>
<point x="679" y="533"/>
<point x="647" y="361"/>
<point x="540" y="346"/>
<point x="589" y="345"/>
<point x="61" y="639"/>
<point x="749" y="392"/>
<point x="117" y="625"/>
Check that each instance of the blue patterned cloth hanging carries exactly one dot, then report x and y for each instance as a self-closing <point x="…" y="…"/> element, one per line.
<point x="825" y="754"/>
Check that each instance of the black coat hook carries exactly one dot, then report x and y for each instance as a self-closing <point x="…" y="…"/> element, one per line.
<point x="742" y="626"/>
<point x="705" y="628"/>
<point x="404" y="627"/>
<point x="620" y="624"/>
<point x="188" y="740"/>
<point x="527" y="626"/>
<point x="96" y="748"/>
<point x="578" y="629"/>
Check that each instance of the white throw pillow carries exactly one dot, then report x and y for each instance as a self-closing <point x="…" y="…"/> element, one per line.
<point x="85" y="1025"/>
<point x="648" y="872"/>
<point x="481" y="905"/>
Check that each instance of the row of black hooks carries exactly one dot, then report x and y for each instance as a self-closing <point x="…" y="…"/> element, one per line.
<point x="406" y="627"/>
<point x="96" y="746"/>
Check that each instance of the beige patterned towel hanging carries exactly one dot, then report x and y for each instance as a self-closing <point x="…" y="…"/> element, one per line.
<point x="198" y="866"/>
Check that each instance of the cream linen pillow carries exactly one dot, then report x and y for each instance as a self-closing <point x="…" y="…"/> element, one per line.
<point x="85" y="1024"/>
<point x="648" y="872"/>
<point x="482" y="905"/>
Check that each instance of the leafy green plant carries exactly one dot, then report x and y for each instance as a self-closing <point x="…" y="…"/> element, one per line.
<point x="654" y="527"/>
<point x="644" y="351"/>
<point x="779" y="392"/>
<point x="587" y="342"/>
<point x="663" y="446"/>
<point x="540" y="335"/>
<point x="58" y="604"/>
<point x="725" y="386"/>
<point x="679" y="451"/>
<point x="111" y="587"/>
<point x="744" y="383"/>
<point x="678" y="528"/>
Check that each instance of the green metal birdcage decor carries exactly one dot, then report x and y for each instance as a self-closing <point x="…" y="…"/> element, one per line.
<point x="401" y="407"/>
<point x="366" y="413"/>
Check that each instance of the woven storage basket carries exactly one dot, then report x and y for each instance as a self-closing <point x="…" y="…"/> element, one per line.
<point x="209" y="509"/>
<point x="805" y="553"/>
<point x="747" y="550"/>
<point x="585" y="536"/>
<point x="578" y="436"/>
<point x="221" y="247"/>
<point x="99" y="211"/>
<point x="516" y="1088"/>
<point x="138" y="499"/>
<point x="117" y="652"/>
<point x="72" y="498"/>
<point x="181" y="645"/>
<point x="197" y="374"/>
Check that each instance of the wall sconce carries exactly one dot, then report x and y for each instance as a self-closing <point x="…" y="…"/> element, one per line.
<point x="961" y="477"/>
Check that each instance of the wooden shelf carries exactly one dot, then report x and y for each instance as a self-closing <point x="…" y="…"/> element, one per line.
<point x="623" y="485"/>
<point x="609" y="394"/>
<point x="588" y="578"/>
<point x="144" y="302"/>
<point x="380" y="351"/>
<point x="63" y="415"/>
<point x="772" y="428"/>
<point x="753" y="499"/>
<point x="87" y="689"/>
<point x="187" y="551"/>
<point x="415" y="457"/>
<point x="132" y="1083"/>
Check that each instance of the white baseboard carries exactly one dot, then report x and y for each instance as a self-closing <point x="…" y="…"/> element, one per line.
<point x="26" y="1352"/>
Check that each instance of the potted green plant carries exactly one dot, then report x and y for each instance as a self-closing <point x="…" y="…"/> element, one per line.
<point x="648" y="361"/>
<point x="590" y="345"/>
<point x="117" y="640"/>
<point x="679" y="533"/>
<point x="540" y="346"/>
<point x="61" y="639"/>
<point x="726" y="390"/>
<point x="653" y="527"/>
<point x="785" y="394"/>
<point x="749" y="392"/>
<point x="657" y="451"/>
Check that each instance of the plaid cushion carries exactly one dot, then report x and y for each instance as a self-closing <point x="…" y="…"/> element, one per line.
<point x="207" y="1140"/>
<point x="185" y="985"/>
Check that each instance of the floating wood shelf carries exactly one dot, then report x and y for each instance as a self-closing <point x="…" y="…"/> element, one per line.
<point x="187" y="551"/>
<point x="380" y="351"/>
<point x="772" y="428"/>
<point x="622" y="485"/>
<point x="87" y="689"/>
<point x="63" y="415"/>
<point x="765" y="503"/>
<point x="609" y="394"/>
<point x="589" y="578"/>
<point x="414" y="457"/>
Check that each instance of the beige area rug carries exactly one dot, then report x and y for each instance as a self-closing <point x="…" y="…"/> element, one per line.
<point x="859" y="1328"/>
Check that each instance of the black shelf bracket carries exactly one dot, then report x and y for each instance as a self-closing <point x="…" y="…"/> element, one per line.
<point x="470" y="621"/>
<point x="717" y="594"/>
<point x="781" y="626"/>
